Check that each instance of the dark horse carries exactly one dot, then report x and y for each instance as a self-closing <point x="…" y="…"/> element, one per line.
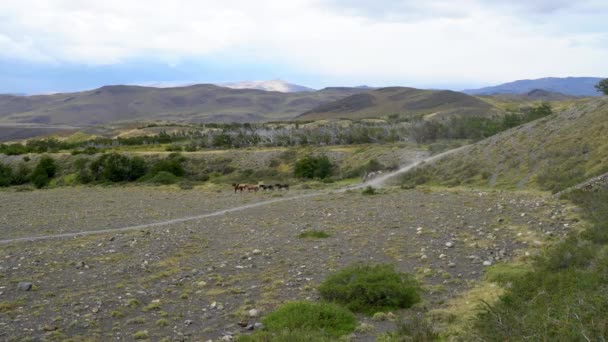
<point x="267" y="187"/>
<point x="282" y="186"/>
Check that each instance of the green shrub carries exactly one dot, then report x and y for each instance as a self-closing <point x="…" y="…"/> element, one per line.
<point x="6" y="175"/>
<point x="172" y="164"/>
<point x="116" y="167"/>
<point x="313" y="167"/>
<point x="315" y="234"/>
<point x="21" y="175"/>
<point x="164" y="177"/>
<point x="40" y="180"/>
<point x="369" y="190"/>
<point x="43" y="172"/>
<point x="369" y="289"/>
<point x="287" y="336"/>
<point x="308" y="316"/>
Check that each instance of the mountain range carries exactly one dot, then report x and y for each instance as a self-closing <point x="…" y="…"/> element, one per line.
<point x="575" y="86"/>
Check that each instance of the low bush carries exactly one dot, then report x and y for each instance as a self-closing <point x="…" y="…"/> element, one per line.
<point x="164" y="177"/>
<point x="370" y="289"/>
<point x="43" y="172"/>
<point x="369" y="190"/>
<point x="314" y="234"/>
<point x="323" y="318"/>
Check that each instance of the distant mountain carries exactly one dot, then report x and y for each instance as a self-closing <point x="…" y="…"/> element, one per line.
<point x="403" y="101"/>
<point x="533" y="95"/>
<point x="196" y="103"/>
<point x="575" y="86"/>
<point x="273" y="85"/>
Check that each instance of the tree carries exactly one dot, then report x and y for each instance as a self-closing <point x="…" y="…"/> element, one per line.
<point x="313" y="167"/>
<point x="603" y="86"/>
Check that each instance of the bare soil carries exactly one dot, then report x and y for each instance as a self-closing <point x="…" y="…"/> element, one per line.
<point x="196" y="280"/>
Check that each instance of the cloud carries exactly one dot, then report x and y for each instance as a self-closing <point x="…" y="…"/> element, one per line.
<point x="374" y="42"/>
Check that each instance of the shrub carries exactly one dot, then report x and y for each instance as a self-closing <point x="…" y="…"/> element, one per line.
<point x="369" y="190"/>
<point x="308" y="316"/>
<point x="6" y="175"/>
<point x="415" y="328"/>
<point x="116" y="167"/>
<point x="164" y="177"/>
<point x="369" y="289"/>
<point x="315" y="234"/>
<point x="287" y="336"/>
<point x="172" y="164"/>
<point x="43" y="172"/>
<point x="313" y="167"/>
<point x="21" y="175"/>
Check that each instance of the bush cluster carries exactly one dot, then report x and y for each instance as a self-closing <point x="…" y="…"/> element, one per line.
<point x="313" y="167"/>
<point x="41" y="176"/>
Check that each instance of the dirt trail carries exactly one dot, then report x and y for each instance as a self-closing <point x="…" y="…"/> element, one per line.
<point x="376" y="182"/>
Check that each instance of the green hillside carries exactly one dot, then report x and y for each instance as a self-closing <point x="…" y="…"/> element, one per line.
<point x="406" y="102"/>
<point x="198" y="103"/>
<point x="551" y="153"/>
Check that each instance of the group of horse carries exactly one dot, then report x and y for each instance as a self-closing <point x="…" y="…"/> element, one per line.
<point x="256" y="187"/>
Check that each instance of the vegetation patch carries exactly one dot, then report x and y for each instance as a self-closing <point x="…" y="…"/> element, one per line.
<point x="370" y="288"/>
<point x="314" y="234"/>
<point x="307" y="317"/>
<point x="564" y="297"/>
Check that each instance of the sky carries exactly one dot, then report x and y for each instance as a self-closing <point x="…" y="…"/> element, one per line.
<point x="69" y="45"/>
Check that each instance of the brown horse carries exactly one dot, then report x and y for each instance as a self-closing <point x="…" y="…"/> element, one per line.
<point x="239" y="187"/>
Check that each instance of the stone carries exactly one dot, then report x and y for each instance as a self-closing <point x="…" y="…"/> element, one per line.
<point x="188" y="322"/>
<point x="442" y="256"/>
<point x="256" y="252"/>
<point x="24" y="286"/>
<point x="258" y="325"/>
<point x="254" y="313"/>
<point x="451" y="265"/>
<point x="487" y="263"/>
<point x="226" y="338"/>
<point x="449" y="244"/>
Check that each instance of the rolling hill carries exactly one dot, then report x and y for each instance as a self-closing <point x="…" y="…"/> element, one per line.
<point x="575" y="86"/>
<point x="551" y="153"/>
<point x="197" y="103"/>
<point x="403" y="101"/>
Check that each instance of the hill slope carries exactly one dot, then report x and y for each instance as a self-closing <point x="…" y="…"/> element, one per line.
<point x="197" y="103"/>
<point x="400" y="100"/>
<point x="551" y="153"/>
<point x="575" y="86"/>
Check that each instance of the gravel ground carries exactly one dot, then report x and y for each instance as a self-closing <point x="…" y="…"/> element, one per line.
<point x="197" y="280"/>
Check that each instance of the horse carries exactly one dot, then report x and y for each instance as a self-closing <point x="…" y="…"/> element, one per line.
<point x="282" y="186"/>
<point x="239" y="187"/>
<point x="266" y="187"/>
<point x="251" y="187"/>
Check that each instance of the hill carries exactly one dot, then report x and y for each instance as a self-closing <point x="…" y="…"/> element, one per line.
<point x="575" y="86"/>
<point x="197" y="103"/>
<point x="551" y="153"/>
<point x="272" y="85"/>
<point x="407" y="102"/>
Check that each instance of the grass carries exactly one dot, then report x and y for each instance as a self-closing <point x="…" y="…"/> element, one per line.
<point x="369" y="190"/>
<point x="141" y="335"/>
<point x="370" y="289"/>
<point x="314" y="234"/>
<point x="504" y="273"/>
<point x="308" y="318"/>
<point x="564" y="297"/>
<point x="287" y="336"/>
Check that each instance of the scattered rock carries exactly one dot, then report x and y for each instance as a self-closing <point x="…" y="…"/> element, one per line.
<point x="258" y="325"/>
<point x="449" y="244"/>
<point x="24" y="286"/>
<point x="188" y="322"/>
<point x="487" y="263"/>
<point x="227" y="338"/>
<point x="451" y="265"/>
<point x="254" y="313"/>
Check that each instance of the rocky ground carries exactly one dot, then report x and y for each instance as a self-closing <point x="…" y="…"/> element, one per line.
<point x="204" y="279"/>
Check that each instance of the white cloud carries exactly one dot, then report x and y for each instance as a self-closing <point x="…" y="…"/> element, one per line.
<point x="385" y="42"/>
